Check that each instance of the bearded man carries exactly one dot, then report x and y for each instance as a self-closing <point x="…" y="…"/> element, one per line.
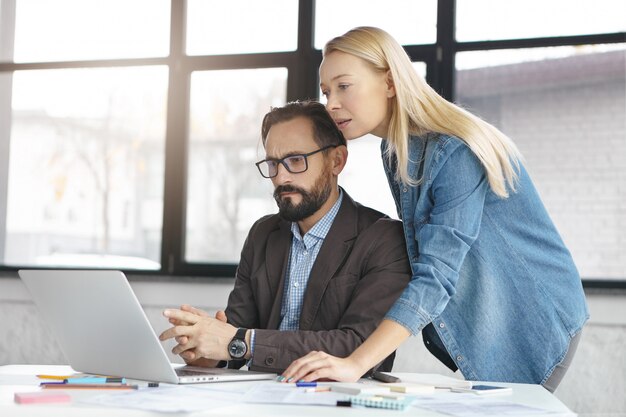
<point x="319" y="275"/>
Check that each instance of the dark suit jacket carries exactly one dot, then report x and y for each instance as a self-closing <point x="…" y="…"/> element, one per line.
<point x="360" y="270"/>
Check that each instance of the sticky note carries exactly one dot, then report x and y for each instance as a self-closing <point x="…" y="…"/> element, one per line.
<point x="41" y="397"/>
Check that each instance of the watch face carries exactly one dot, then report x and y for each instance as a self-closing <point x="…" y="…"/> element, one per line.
<point x="237" y="349"/>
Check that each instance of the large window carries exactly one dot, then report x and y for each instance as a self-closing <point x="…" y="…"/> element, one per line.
<point x="410" y="22"/>
<point x="480" y="20"/>
<point x="218" y="27"/>
<point x="85" y="177"/>
<point x="129" y="129"/>
<point x="225" y="194"/>
<point x="71" y="30"/>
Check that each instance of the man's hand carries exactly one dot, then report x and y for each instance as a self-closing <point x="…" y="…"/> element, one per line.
<point x="181" y="340"/>
<point x="198" y="335"/>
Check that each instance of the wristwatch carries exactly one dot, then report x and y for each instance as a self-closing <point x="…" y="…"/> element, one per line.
<point x="237" y="348"/>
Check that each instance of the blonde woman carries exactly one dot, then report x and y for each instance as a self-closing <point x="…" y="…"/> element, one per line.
<point x="494" y="292"/>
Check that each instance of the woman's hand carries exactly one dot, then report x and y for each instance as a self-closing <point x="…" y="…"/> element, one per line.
<point x="321" y="365"/>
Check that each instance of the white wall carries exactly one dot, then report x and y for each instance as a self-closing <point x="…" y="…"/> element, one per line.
<point x="595" y="384"/>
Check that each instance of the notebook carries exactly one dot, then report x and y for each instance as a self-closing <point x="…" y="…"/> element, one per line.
<point x="372" y="401"/>
<point x="102" y="329"/>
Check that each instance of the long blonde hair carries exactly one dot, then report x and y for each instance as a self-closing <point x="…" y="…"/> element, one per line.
<point x="418" y="109"/>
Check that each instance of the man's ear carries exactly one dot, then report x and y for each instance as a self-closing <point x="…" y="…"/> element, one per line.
<point x="391" y="87"/>
<point x="339" y="159"/>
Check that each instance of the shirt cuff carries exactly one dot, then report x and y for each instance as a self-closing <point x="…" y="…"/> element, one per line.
<point x="408" y="316"/>
<point x="252" y="337"/>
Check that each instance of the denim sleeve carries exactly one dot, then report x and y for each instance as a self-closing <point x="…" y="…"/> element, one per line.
<point x="457" y="190"/>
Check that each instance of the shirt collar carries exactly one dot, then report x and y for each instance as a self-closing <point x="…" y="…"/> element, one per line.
<point x="321" y="228"/>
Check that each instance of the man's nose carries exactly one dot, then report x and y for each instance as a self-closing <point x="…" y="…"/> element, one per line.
<point x="282" y="175"/>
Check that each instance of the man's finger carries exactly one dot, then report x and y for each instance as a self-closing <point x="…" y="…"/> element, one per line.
<point x="176" y="331"/>
<point x="196" y="311"/>
<point x="221" y="316"/>
<point x="189" y="355"/>
<point x="180" y="315"/>
<point x="179" y="349"/>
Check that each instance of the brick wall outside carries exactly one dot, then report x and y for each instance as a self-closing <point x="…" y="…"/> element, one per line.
<point x="568" y="117"/>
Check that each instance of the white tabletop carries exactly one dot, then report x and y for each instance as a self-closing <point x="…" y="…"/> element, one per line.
<point x="21" y="378"/>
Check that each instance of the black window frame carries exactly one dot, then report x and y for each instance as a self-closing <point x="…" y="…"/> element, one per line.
<point x="302" y="82"/>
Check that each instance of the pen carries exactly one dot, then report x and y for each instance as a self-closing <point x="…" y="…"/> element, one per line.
<point x="89" y="386"/>
<point x="94" y="380"/>
<point x="57" y="377"/>
<point x="306" y="384"/>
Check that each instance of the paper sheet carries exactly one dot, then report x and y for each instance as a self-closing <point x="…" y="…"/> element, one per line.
<point x="470" y="405"/>
<point x="288" y="394"/>
<point x="439" y="381"/>
<point x="168" y="399"/>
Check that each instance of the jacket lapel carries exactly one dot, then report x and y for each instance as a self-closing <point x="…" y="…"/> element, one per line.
<point x="276" y="261"/>
<point x="332" y="255"/>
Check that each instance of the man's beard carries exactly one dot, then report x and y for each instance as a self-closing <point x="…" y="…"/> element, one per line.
<point x="311" y="200"/>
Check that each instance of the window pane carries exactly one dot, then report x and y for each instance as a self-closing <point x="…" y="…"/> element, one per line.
<point x="364" y="172"/>
<point x="217" y="27"/>
<point x="86" y="168"/>
<point x="69" y="30"/>
<point x="409" y="21"/>
<point x="420" y="67"/>
<point x="479" y="20"/>
<point x="7" y="19"/>
<point x="566" y="112"/>
<point x="226" y="193"/>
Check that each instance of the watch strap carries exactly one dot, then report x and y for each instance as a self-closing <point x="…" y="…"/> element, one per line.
<point x="241" y="334"/>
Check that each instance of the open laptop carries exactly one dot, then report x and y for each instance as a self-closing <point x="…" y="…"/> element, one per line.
<point x="102" y="329"/>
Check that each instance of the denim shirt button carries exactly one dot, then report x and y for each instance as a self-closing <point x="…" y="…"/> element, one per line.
<point x="459" y="358"/>
<point x="404" y="190"/>
<point x="441" y="325"/>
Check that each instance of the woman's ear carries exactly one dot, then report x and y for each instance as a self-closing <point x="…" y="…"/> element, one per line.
<point x="391" y="88"/>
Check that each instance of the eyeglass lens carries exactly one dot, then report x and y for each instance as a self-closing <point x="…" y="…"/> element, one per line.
<point x="294" y="164"/>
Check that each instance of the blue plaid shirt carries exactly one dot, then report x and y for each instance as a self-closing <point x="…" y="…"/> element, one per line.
<point x="304" y="250"/>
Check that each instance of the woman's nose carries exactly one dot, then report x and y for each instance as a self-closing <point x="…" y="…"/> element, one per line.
<point x="332" y="103"/>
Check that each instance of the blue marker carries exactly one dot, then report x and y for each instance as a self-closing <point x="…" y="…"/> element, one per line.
<point x="306" y="384"/>
<point x="94" y="380"/>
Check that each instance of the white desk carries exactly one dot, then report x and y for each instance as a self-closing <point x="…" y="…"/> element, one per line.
<point x="20" y="378"/>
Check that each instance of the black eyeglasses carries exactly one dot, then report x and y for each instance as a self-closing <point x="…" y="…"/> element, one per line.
<point x="293" y="163"/>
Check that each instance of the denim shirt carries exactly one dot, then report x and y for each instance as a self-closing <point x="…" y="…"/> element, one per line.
<point x="492" y="274"/>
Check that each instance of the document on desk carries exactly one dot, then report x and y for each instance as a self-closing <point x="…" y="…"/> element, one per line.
<point x="168" y="399"/>
<point x="436" y="380"/>
<point x="470" y="405"/>
<point x="276" y="393"/>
